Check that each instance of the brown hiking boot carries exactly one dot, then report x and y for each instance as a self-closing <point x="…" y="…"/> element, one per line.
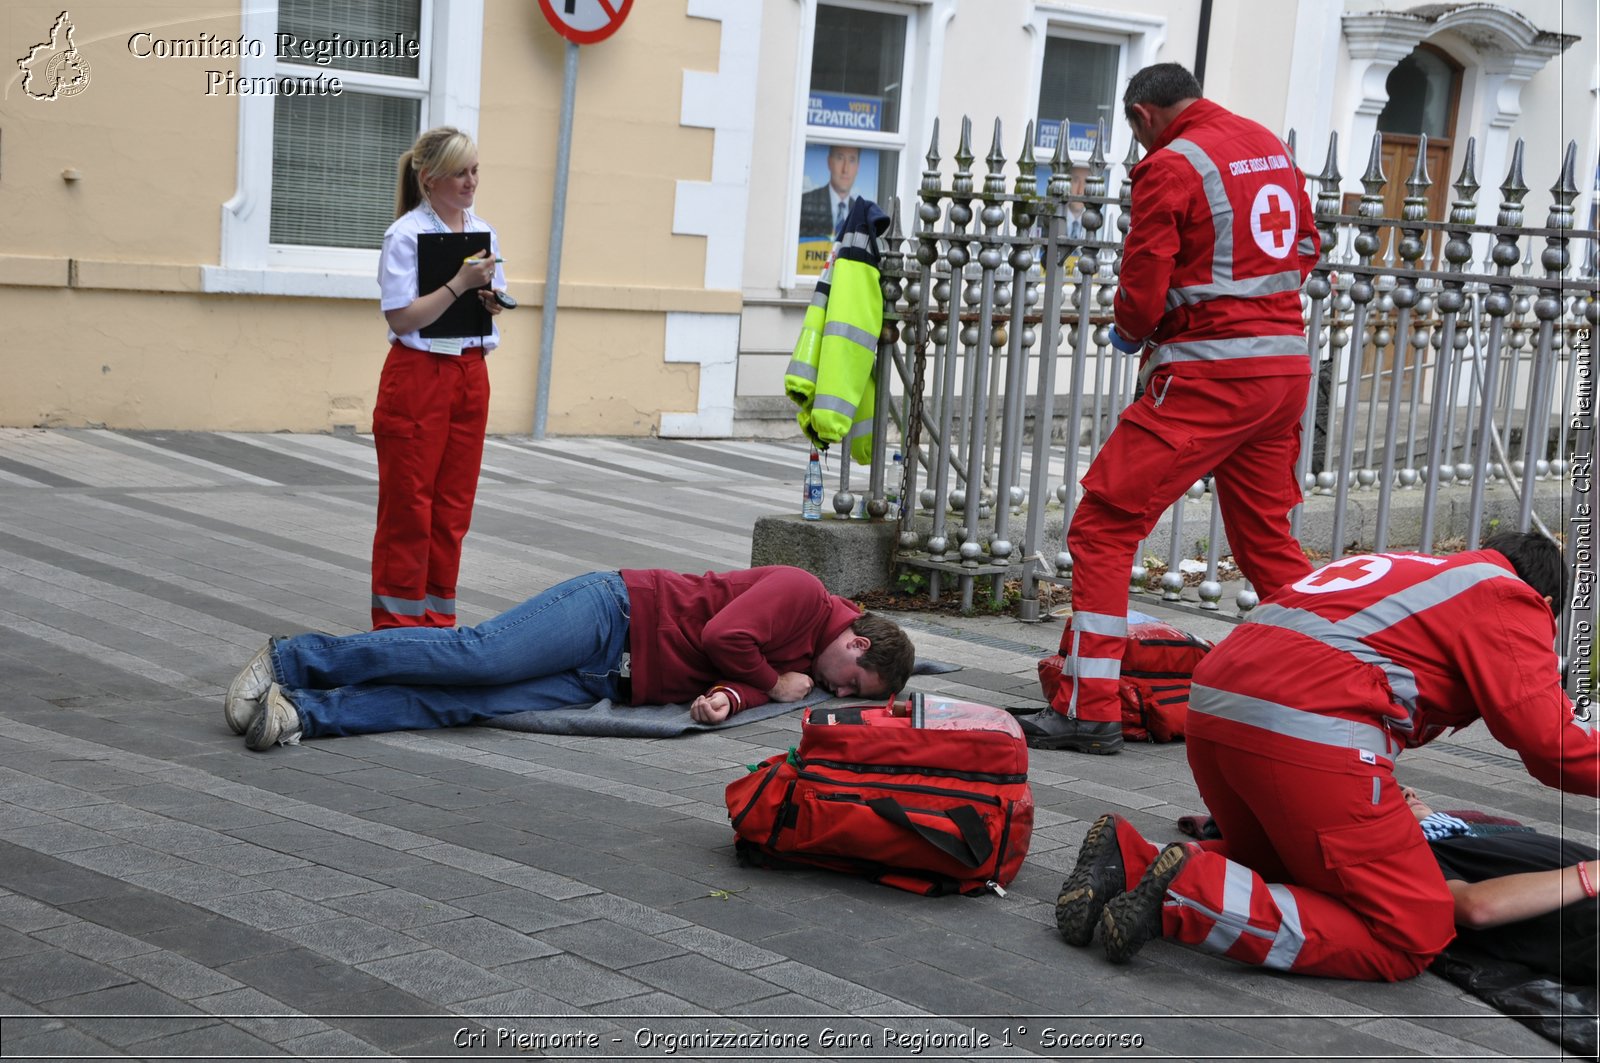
<point x="1097" y="878"/>
<point x="1135" y="917"/>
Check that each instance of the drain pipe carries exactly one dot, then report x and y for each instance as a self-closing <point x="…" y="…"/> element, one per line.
<point x="558" y="224"/>
<point x="1201" y="44"/>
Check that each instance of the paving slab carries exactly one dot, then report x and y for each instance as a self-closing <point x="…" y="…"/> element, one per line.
<point x="375" y="895"/>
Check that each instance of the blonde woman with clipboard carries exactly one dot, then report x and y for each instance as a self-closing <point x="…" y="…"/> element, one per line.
<point x="433" y="396"/>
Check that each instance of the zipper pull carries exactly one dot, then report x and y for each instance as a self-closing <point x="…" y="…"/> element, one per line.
<point x="999" y="890"/>
<point x="1163" y="396"/>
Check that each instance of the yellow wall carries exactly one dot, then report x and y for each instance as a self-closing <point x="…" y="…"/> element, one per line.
<point x="100" y="278"/>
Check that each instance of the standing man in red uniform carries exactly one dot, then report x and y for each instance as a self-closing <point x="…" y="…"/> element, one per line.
<point x="1295" y="721"/>
<point x="1220" y="241"/>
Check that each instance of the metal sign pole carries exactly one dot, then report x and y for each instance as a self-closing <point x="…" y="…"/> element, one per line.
<point x="558" y="215"/>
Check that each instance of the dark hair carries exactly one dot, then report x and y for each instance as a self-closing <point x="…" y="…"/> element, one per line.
<point x="1537" y="561"/>
<point x="1161" y="85"/>
<point x="891" y="655"/>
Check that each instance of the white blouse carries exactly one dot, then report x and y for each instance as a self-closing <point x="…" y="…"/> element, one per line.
<point x="397" y="271"/>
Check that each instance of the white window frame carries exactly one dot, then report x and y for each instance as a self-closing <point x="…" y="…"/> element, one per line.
<point x="899" y="142"/>
<point x="1139" y="37"/>
<point x="448" y="84"/>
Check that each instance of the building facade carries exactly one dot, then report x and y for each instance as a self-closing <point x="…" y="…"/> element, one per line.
<point x="192" y="212"/>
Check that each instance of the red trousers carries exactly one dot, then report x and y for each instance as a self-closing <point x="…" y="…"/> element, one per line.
<point x="1244" y="430"/>
<point x="1321" y="870"/>
<point x="428" y="425"/>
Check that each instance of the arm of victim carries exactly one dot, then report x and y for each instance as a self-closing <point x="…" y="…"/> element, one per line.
<point x="724" y="699"/>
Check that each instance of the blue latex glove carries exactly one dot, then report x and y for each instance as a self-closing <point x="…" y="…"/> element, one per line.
<point x="1122" y="343"/>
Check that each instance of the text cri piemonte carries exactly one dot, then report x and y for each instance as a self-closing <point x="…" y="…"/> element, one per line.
<point x="286" y="47"/>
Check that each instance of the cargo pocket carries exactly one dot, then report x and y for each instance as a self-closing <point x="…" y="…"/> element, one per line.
<point x="394" y="425"/>
<point x="1388" y="876"/>
<point x="1140" y="467"/>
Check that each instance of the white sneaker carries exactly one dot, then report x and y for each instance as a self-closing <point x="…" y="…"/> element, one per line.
<point x="247" y="690"/>
<point x="277" y="724"/>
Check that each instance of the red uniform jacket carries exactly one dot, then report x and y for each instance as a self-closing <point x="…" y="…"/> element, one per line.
<point x="1402" y="646"/>
<point x="738" y="630"/>
<point x="1221" y="237"/>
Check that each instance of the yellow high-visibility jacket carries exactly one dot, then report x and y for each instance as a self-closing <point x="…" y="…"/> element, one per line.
<point x="830" y="375"/>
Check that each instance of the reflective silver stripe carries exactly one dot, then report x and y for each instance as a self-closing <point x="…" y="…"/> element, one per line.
<point x="859" y="430"/>
<point x="858" y="239"/>
<point x="1221" y="208"/>
<point x="444" y="606"/>
<point x="1100" y="624"/>
<point x="399" y="606"/>
<point x="1091" y="668"/>
<point x="1306" y="246"/>
<point x="1421" y="596"/>
<point x="1175" y="900"/>
<point x="802" y="370"/>
<point x="1249" y="288"/>
<point x="832" y="404"/>
<point x="1066" y="669"/>
<point x="1229" y="349"/>
<point x="1291" y="722"/>
<point x="1237" y="883"/>
<point x="1291" y="936"/>
<point x="858" y="336"/>
<point x="819" y="298"/>
<point x="1348" y="634"/>
<point x="1401" y="680"/>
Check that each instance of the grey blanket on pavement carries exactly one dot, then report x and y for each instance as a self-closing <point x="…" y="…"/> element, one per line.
<point x="604" y="719"/>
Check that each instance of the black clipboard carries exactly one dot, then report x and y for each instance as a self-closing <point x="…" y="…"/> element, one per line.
<point x="439" y="257"/>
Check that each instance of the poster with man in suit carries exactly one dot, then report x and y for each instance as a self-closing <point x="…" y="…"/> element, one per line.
<point x="834" y="176"/>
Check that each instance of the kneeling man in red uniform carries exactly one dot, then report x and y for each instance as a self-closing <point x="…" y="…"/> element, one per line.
<point x="1294" y="725"/>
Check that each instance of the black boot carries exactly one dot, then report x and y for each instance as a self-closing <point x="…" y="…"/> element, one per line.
<point x="1133" y="918"/>
<point x="1048" y="729"/>
<point x="1096" y="879"/>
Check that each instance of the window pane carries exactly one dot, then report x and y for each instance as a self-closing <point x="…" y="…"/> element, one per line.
<point x="333" y="166"/>
<point x="1078" y="84"/>
<point x="857" y="61"/>
<point x="363" y="25"/>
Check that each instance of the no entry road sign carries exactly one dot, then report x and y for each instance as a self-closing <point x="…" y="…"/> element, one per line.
<point x="585" y="21"/>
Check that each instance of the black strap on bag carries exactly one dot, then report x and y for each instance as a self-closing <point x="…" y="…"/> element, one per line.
<point x="972" y="849"/>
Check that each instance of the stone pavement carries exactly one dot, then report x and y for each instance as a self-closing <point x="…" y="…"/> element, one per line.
<point x="166" y="893"/>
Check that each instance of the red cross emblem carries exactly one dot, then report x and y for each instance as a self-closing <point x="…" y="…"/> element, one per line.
<point x="1345" y="575"/>
<point x="1272" y="221"/>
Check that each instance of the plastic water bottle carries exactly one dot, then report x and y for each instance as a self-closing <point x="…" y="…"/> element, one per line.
<point x="811" y="500"/>
<point x="891" y="490"/>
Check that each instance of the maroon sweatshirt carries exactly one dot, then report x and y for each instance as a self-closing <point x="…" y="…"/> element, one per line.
<point x="734" y="629"/>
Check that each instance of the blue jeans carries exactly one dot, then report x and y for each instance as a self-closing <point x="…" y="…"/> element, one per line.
<point x="561" y="648"/>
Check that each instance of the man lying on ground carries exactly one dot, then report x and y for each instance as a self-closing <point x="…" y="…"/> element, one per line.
<point x="1295" y="720"/>
<point x="724" y="641"/>
<point x="1519" y="895"/>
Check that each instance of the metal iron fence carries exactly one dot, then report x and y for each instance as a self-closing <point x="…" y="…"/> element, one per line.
<point x="1453" y="391"/>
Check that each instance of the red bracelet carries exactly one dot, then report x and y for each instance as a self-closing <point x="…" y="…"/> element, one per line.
<point x="1583" y="880"/>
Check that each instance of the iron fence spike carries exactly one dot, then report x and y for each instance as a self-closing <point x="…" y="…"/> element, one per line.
<point x="1330" y="168"/>
<point x="1512" y="189"/>
<point x="1467" y="183"/>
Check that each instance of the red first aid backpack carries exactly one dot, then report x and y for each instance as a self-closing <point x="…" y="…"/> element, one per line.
<point x="930" y="797"/>
<point x="1157" y="669"/>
